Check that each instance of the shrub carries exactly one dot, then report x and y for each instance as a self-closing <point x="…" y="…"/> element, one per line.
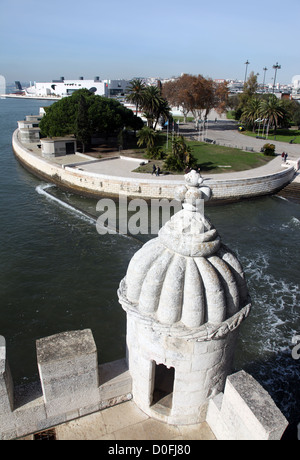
<point x="269" y="149"/>
<point x="156" y="153"/>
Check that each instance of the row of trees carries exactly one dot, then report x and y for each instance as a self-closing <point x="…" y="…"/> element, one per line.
<point x="270" y="111"/>
<point x="194" y="94"/>
<point x="252" y="108"/>
<point x="148" y="99"/>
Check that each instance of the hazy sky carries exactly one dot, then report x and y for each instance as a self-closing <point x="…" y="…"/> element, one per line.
<point x="43" y="40"/>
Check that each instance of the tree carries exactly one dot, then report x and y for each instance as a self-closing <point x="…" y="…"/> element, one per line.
<point x="146" y="136"/>
<point x="178" y="93"/>
<point x="181" y="156"/>
<point x="154" y="106"/>
<point x="272" y="109"/>
<point x="196" y="94"/>
<point x="135" y="94"/>
<point x="251" y="112"/>
<point x="82" y="127"/>
<point x="84" y="114"/>
<point x="251" y="85"/>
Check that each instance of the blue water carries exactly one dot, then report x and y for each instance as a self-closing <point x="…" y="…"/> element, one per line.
<point x="57" y="273"/>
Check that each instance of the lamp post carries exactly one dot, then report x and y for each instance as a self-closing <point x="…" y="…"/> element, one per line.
<point x="264" y="69"/>
<point x="276" y="67"/>
<point x="246" y="63"/>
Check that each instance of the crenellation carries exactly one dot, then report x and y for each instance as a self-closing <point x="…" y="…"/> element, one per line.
<point x="71" y="385"/>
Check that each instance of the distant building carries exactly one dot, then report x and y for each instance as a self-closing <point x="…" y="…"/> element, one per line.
<point x="296" y="82"/>
<point x="62" y="87"/>
<point x="2" y="85"/>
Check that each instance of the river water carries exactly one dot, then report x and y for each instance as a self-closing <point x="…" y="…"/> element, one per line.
<point x="57" y="273"/>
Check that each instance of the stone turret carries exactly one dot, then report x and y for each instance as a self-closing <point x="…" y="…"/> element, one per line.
<point x="185" y="296"/>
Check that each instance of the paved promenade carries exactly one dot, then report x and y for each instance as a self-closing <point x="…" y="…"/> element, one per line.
<point x="223" y="132"/>
<point x="125" y="168"/>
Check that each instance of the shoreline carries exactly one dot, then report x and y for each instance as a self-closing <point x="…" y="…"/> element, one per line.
<point x="111" y="178"/>
<point x="44" y="98"/>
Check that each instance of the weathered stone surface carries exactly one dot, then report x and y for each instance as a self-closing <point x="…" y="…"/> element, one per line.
<point x="185" y="295"/>
<point x="68" y="368"/>
<point x="245" y="411"/>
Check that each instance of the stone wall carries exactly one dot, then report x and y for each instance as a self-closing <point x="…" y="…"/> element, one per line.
<point x="72" y="385"/>
<point x="245" y="411"/>
<point x="97" y="185"/>
<point x="201" y="368"/>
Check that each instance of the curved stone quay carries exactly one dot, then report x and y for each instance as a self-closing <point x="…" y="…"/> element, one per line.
<point x="113" y="177"/>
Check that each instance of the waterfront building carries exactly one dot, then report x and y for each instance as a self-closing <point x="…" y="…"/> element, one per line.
<point x="63" y="87"/>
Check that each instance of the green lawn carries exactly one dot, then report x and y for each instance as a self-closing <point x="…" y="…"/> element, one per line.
<point x="215" y="158"/>
<point x="282" y="135"/>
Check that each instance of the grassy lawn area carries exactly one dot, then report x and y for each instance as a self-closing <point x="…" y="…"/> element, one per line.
<point x="218" y="159"/>
<point x="282" y="135"/>
<point x="214" y="158"/>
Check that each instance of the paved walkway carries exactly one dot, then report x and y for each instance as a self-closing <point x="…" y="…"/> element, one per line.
<point x="125" y="168"/>
<point x="127" y="422"/>
<point x="224" y="132"/>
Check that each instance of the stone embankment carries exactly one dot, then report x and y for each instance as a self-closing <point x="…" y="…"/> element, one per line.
<point x="98" y="178"/>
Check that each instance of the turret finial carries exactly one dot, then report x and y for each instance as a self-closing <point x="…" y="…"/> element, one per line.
<point x="193" y="193"/>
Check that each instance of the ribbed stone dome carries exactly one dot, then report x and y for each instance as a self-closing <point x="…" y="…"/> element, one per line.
<point x="185" y="276"/>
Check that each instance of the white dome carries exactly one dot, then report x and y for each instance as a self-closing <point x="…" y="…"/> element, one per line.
<point x="185" y="275"/>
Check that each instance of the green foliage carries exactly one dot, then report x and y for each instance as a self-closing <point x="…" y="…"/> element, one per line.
<point x="135" y="94"/>
<point x="150" y="100"/>
<point x="146" y="136"/>
<point x="156" y="153"/>
<point x="269" y="149"/>
<point x="82" y="125"/>
<point x="84" y="114"/>
<point x="181" y="156"/>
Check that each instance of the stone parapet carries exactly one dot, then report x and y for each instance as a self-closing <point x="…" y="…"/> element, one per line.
<point x="71" y="385"/>
<point x="245" y="411"/>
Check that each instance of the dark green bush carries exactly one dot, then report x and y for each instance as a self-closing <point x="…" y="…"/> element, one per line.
<point x="269" y="149"/>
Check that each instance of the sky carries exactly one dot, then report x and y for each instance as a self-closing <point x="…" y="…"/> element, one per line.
<point x="43" y="40"/>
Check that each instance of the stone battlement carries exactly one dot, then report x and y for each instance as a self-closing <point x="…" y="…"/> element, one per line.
<point x="73" y="385"/>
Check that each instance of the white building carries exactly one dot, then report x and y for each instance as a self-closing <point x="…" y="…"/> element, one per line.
<point x="296" y="82"/>
<point x="62" y="87"/>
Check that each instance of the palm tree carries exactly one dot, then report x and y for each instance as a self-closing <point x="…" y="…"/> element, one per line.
<point x="252" y="111"/>
<point x="146" y="137"/>
<point x="136" y="93"/>
<point x="155" y="105"/>
<point x="273" y="110"/>
<point x="151" y="103"/>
